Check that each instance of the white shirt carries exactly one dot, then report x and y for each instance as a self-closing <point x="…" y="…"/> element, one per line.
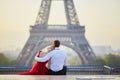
<point x="57" y="57"/>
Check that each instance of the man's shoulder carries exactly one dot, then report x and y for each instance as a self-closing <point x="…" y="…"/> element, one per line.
<point x="63" y="52"/>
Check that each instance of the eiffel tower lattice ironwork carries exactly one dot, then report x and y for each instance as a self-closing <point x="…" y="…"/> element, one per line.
<point x="70" y="35"/>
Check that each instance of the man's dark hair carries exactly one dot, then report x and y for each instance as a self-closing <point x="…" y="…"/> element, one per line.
<point x="56" y="43"/>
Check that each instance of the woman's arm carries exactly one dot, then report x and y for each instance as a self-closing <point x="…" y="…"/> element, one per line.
<point x="38" y="54"/>
<point x="48" y="64"/>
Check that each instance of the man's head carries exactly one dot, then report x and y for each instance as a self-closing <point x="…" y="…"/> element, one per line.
<point x="56" y="43"/>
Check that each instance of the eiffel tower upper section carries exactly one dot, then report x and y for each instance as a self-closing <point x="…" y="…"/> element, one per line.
<point x="70" y="12"/>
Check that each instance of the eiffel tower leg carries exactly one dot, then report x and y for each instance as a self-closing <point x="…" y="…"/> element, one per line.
<point x="29" y="49"/>
<point x="71" y="15"/>
<point x="43" y="13"/>
<point x="85" y="51"/>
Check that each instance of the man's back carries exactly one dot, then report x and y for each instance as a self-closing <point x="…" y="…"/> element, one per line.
<point x="58" y="59"/>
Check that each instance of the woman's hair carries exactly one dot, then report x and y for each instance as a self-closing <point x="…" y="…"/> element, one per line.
<point x="49" y="48"/>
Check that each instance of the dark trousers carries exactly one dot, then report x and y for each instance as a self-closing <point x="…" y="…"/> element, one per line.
<point x="61" y="72"/>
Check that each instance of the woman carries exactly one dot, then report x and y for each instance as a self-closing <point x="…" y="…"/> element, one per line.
<point x="39" y="68"/>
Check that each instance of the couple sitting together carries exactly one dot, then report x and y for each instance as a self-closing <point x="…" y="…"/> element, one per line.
<point x="50" y="62"/>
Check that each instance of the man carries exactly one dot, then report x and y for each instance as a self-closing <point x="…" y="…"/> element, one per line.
<point x="57" y="59"/>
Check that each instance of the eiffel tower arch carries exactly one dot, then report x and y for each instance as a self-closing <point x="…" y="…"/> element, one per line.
<point x="71" y="35"/>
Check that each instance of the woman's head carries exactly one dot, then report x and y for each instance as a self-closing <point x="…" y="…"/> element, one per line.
<point x="49" y="48"/>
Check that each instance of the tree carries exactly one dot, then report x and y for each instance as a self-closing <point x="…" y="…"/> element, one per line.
<point x="99" y="60"/>
<point x="112" y="60"/>
<point x="109" y="60"/>
<point x="4" y="61"/>
<point x="13" y="63"/>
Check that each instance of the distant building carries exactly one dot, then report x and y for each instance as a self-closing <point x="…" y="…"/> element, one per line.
<point x="102" y="50"/>
<point x="117" y="52"/>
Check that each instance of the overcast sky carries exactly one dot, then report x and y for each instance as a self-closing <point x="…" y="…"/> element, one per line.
<point x="100" y="17"/>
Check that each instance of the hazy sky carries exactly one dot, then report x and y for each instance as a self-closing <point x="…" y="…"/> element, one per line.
<point x="100" y="17"/>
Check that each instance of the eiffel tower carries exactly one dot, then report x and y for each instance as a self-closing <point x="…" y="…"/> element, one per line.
<point x="71" y="35"/>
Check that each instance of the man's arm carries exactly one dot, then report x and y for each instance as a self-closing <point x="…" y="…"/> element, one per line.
<point x="43" y="59"/>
